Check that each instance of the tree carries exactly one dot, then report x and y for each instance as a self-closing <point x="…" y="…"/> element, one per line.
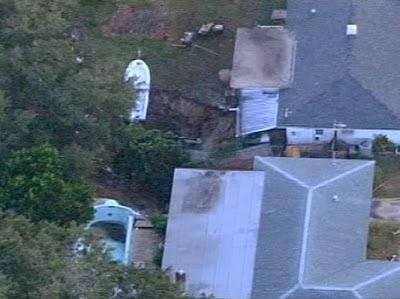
<point x="32" y="184"/>
<point x="149" y="157"/>
<point x="382" y="144"/>
<point x="31" y="257"/>
<point x="37" y="262"/>
<point x="47" y="95"/>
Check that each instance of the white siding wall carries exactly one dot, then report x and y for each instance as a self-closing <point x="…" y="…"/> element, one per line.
<point x="298" y="135"/>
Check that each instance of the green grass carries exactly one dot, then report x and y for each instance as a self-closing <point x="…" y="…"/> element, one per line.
<point x="384" y="240"/>
<point x="387" y="176"/>
<point x="193" y="71"/>
<point x="197" y="70"/>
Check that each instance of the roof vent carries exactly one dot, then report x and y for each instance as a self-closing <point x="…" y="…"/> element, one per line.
<point x="351" y="29"/>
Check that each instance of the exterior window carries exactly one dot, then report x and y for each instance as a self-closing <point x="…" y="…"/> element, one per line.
<point x="319" y="132"/>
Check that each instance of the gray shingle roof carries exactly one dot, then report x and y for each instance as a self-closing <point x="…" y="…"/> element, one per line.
<point x="352" y="80"/>
<point x="295" y="228"/>
<point x="359" y="273"/>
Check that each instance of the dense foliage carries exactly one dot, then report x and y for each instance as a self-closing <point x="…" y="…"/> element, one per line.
<point x="150" y="157"/>
<point x="63" y="106"/>
<point x="32" y="184"/>
<point x="382" y="144"/>
<point x="45" y="95"/>
<point x="37" y="262"/>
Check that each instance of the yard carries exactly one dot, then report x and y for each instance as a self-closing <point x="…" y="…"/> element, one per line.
<point x="117" y="29"/>
<point x="182" y="79"/>
<point x="387" y="177"/>
<point x="384" y="240"/>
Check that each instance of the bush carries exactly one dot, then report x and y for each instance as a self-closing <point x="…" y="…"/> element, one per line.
<point x="382" y="144"/>
<point x="149" y="157"/>
<point x="32" y="184"/>
<point x="159" y="222"/>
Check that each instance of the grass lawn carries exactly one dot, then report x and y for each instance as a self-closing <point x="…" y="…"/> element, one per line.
<point x="384" y="240"/>
<point x="387" y="177"/>
<point x="193" y="71"/>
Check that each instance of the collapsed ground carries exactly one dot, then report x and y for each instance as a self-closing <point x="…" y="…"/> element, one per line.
<point x="187" y="96"/>
<point x="186" y="93"/>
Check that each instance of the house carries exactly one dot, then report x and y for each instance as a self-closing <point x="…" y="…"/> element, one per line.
<point x="263" y="63"/>
<point x="292" y="228"/>
<point x="345" y="75"/>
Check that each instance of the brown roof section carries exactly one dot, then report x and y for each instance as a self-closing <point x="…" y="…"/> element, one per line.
<point x="263" y="58"/>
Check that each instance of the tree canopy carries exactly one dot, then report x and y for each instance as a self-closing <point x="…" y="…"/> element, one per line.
<point x="37" y="262"/>
<point x="63" y="109"/>
<point x="32" y="184"/>
<point x="150" y="157"/>
<point x="46" y="94"/>
<point x="382" y="144"/>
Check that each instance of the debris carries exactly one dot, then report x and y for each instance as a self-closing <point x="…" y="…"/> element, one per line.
<point x="279" y="16"/>
<point x="225" y="75"/>
<point x="77" y="34"/>
<point x="190" y="141"/>
<point x="79" y="59"/>
<point x="397" y="232"/>
<point x="206" y="49"/>
<point x="188" y="38"/>
<point x="218" y="28"/>
<point x="179" y="46"/>
<point x="206" y="29"/>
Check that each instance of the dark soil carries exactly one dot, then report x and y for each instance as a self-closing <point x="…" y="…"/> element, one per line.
<point x="115" y="231"/>
<point x="169" y="110"/>
<point x="137" y="21"/>
<point x="125" y="192"/>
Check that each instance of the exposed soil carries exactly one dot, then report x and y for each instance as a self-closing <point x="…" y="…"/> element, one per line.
<point x="169" y="110"/>
<point x="125" y="191"/>
<point x="114" y="231"/>
<point x="244" y="159"/>
<point x="386" y="210"/>
<point x="138" y="21"/>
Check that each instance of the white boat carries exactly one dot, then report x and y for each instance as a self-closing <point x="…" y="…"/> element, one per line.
<point x="139" y="73"/>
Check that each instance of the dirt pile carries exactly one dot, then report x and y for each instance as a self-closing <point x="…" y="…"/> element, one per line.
<point x="138" y="21"/>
